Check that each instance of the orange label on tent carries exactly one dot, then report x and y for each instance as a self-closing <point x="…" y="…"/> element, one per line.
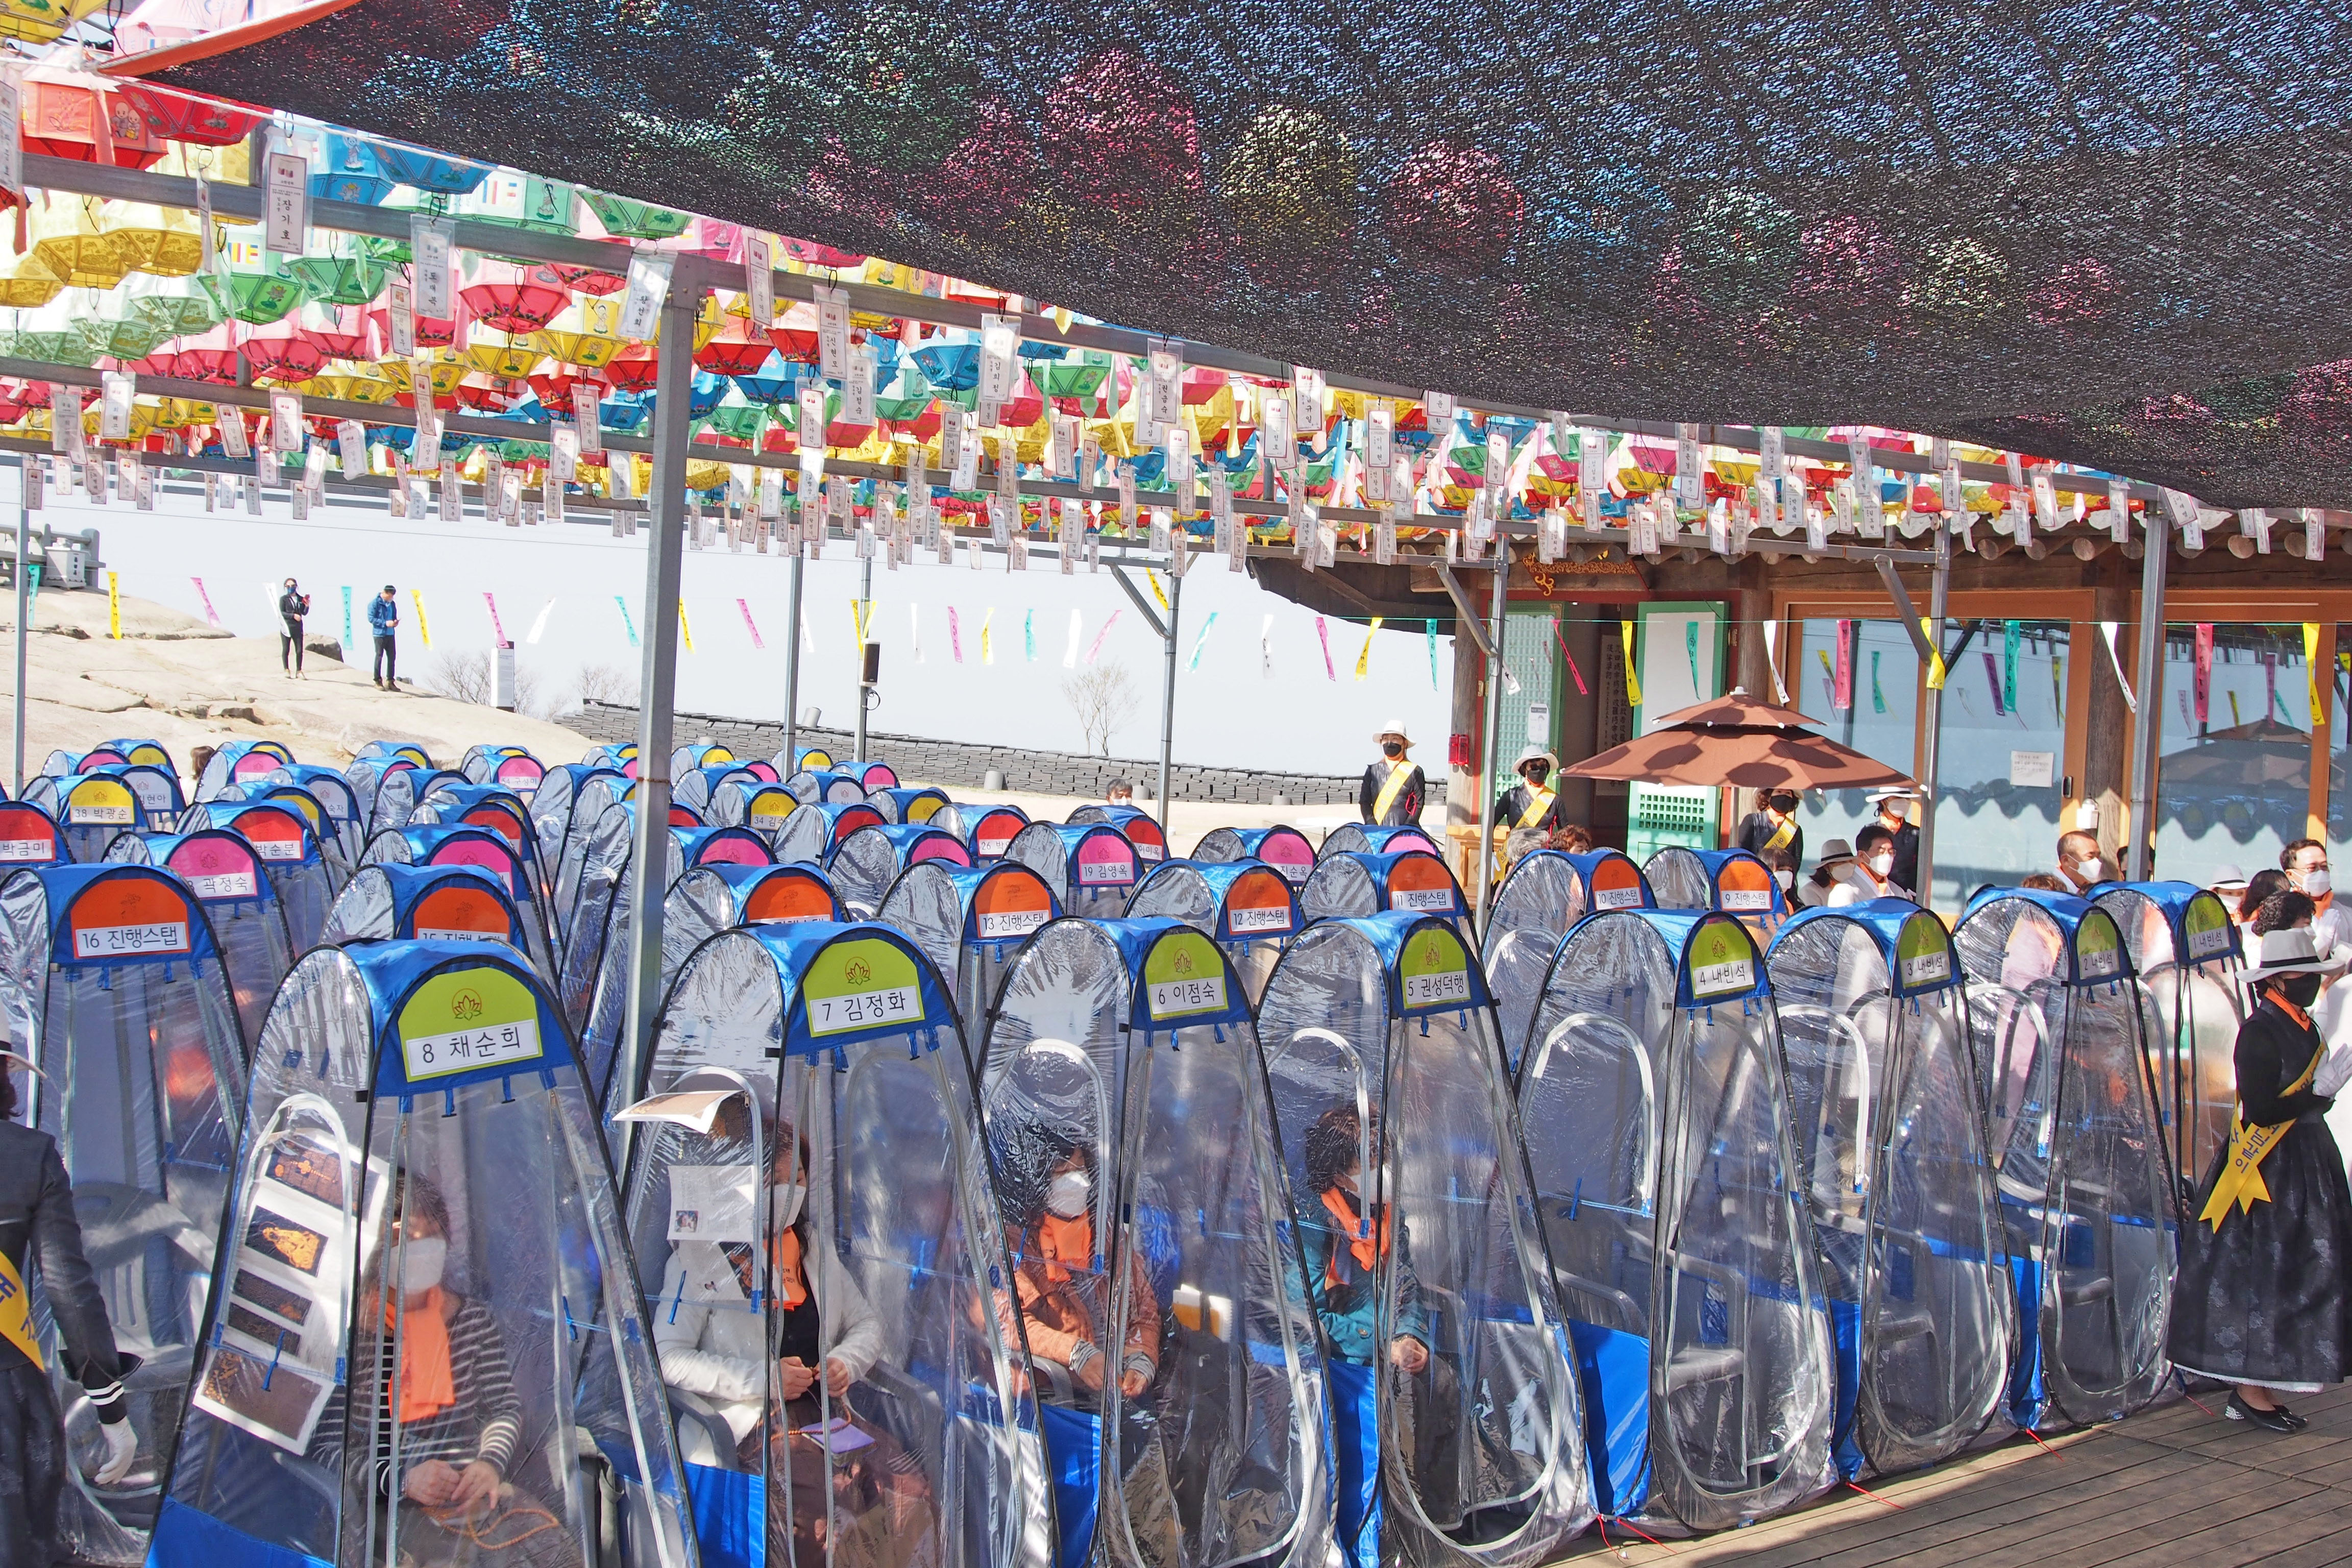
<point x="459" y="913"/>
<point x="1744" y="888"/>
<point x="274" y="833"/>
<point x="1259" y="904"/>
<point x="788" y="898"/>
<point x="129" y="916"/>
<point x="1150" y="844"/>
<point x="852" y="820"/>
<point x="1420" y="883"/>
<point x="1013" y="902"/>
<point x="498" y="819"/>
<point x="1616" y="885"/>
<point x="994" y="834"/>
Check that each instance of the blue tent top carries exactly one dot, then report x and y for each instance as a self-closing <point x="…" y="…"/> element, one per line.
<point x="466" y="796"/>
<point x="1428" y="897"/>
<point x="120" y="913"/>
<point x="833" y="811"/>
<point x="1717" y="861"/>
<point x="127" y="771"/>
<point x="696" y="844"/>
<point x="1221" y="877"/>
<point x="2096" y="954"/>
<point x="2203" y="931"/>
<point x="904" y="836"/>
<point x="903" y="796"/>
<point x="1426" y="966"/>
<point x="226" y="813"/>
<point x="328" y="786"/>
<point x="979" y="815"/>
<point x="384" y="752"/>
<point x="1715" y="958"/>
<point x="825" y="778"/>
<point x="1076" y="835"/>
<point x="410" y="884"/>
<point x="852" y="982"/>
<point x="160" y="847"/>
<point x="1380" y="837"/>
<point x="746" y="881"/>
<point x="1919" y="954"/>
<point x="449" y="1014"/>
<point x="1177" y="977"/>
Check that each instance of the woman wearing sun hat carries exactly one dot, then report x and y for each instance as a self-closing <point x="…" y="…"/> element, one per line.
<point x="1395" y="787"/>
<point x="2262" y="1297"/>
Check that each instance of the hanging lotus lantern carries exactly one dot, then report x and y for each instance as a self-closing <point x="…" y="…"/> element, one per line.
<point x="339" y="279"/>
<point x="490" y="393"/>
<point x="120" y="337"/>
<point x="433" y="172"/>
<point x="635" y="368"/>
<point x="737" y="424"/>
<point x="282" y="354"/>
<point x="794" y="331"/>
<point x="175" y="307"/>
<point x="336" y="332"/>
<point x="351" y="170"/>
<point x="27" y="286"/>
<point x="39" y="21"/>
<point x="737" y="348"/>
<point x="174" y="115"/>
<point x="628" y="219"/>
<point x="1289" y="184"/>
<point x="210" y="357"/>
<point x="585" y="332"/>
<point x="68" y="115"/>
<point x="67" y="243"/>
<point x="357" y="384"/>
<point x="776" y="383"/>
<point x="151" y="238"/>
<point x="53" y="333"/>
<point x="554" y="386"/>
<point x="432" y="331"/>
<point x="257" y="295"/>
<point x="514" y="299"/>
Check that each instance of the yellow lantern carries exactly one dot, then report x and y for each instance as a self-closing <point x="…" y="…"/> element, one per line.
<point x="151" y="238"/>
<point x="508" y="356"/>
<point x="68" y="245"/>
<point x="585" y="332"/>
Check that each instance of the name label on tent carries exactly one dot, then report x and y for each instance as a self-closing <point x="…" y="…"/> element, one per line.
<point x="1926" y="968"/>
<point x="996" y="847"/>
<point x="465" y="1020"/>
<point x="1104" y="862"/>
<point x="2206" y="926"/>
<point x="862" y="984"/>
<point x="130" y="941"/>
<point x="1743" y="900"/>
<point x="1436" y="970"/>
<point x="99" y="812"/>
<point x="26" y="849"/>
<point x="1722" y="962"/>
<point x="996" y="926"/>
<point x="769" y="809"/>
<point x="1616" y="885"/>
<point x="222" y="885"/>
<point x="455" y="933"/>
<point x="460" y="914"/>
<point x="1273" y="916"/>
<point x="1421" y="901"/>
<point x="278" y="849"/>
<point x="141" y="915"/>
<point x="1183" y="975"/>
<point x="2098" y="948"/>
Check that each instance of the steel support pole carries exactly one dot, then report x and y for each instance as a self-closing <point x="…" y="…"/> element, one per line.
<point x="1484" y="835"/>
<point x="24" y="599"/>
<point x="2149" y="678"/>
<point x="1168" y="698"/>
<point x="1939" y="593"/>
<point x="791" y="763"/>
<point x="658" y="680"/>
<point x="858" y="674"/>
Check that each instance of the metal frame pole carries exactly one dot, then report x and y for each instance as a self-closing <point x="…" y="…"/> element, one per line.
<point x="1939" y="593"/>
<point x="24" y="599"/>
<point x="793" y="670"/>
<point x="658" y="686"/>
<point x="2157" y="547"/>
<point x="858" y="674"/>
<point x="1168" y="697"/>
<point x="1484" y="836"/>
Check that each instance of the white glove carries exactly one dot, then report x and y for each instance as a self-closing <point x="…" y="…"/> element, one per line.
<point x="121" y="1448"/>
<point x="2333" y="1073"/>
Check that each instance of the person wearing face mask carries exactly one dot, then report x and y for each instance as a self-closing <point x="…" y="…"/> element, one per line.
<point x="1870" y="874"/>
<point x="1532" y="802"/>
<point x="1894" y="809"/>
<point x="2305" y="862"/>
<point x="2079" y="863"/>
<point x="1395" y="787"/>
<point x="1784" y="872"/>
<point x="1773" y="828"/>
<point x="292" y="606"/>
<point x="2262" y="1300"/>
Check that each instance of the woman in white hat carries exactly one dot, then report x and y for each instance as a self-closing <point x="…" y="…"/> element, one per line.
<point x="2262" y="1300"/>
<point x="1395" y="787"/>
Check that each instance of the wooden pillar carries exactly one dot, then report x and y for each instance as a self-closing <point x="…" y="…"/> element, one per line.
<point x="2322" y="673"/>
<point x="1751" y="671"/>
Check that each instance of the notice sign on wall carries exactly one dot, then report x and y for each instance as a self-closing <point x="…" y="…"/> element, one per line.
<point x="2032" y="770"/>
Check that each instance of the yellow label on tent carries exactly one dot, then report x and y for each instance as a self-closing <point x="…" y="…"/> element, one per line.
<point x="102" y="802"/>
<point x="769" y="809"/>
<point x="863" y="982"/>
<point x="2098" y="948"/>
<point x="1434" y="969"/>
<point x="1923" y="953"/>
<point x="153" y="756"/>
<point x="1183" y="974"/>
<point x="1722" y="961"/>
<point x="464" y="1020"/>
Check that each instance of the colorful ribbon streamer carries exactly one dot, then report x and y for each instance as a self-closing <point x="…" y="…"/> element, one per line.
<point x="1877" y="698"/>
<point x="498" y="631"/>
<point x="1323" y="632"/>
<point x="2131" y="699"/>
<point x="1430" y="627"/>
<point x="1841" y="682"/>
<point x="539" y="627"/>
<point x="424" y="627"/>
<point x="988" y="635"/>
<point x="1029" y="637"/>
<point x="1937" y="673"/>
<point x="955" y="634"/>
<point x="1096" y="652"/>
<point x="1581" y="690"/>
<point x="750" y="625"/>
<point x="626" y="623"/>
<point x="1632" y="681"/>
<point x="685" y="627"/>
<point x="2011" y="635"/>
<point x="347" y="615"/>
<point x="1992" y="683"/>
<point x="2201" y="675"/>
<point x="1364" y="660"/>
<point x="1201" y="641"/>
<point x="2311" y="671"/>
<point x="214" y="616"/>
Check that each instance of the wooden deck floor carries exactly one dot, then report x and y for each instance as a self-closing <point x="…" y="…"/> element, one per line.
<point x="2172" y="1486"/>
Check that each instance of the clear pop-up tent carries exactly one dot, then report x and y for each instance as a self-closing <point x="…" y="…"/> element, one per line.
<point x="988" y="829"/>
<point x="1284" y="849"/>
<point x="1657" y="1113"/>
<point x="756" y="804"/>
<point x="707" y="899"/>
<point x="240" y="899"/>
<point x="416" y="1113"/>
<point x="408" y="751"/>
<point x="2056" y="1020"/>
<point x="810" y="833"/>
<point x="240" y="761"/>
<point x="803" y="759"/>
<point x="2184" y="947"/>
<point x="429" y="904"/>
<point x="64" y="764"/>
<point x="1731" y="880"/>
<point x="1141" y="830"/>
<point x="487" y="851"/>
<point x="1891" y="1155"/>
<point x="696" y="787"/>
<point x="1246" y="907"/>
<point x="142" y="1067"/>
<point x="968" y="920"/>
<point x="514" y="767"/>
<point x="601" y="796"/>
<point x="1092" y="868"/>
<point x="1354" y="882"/>
<point x="1360" y="838"/>
<point x="94" y="809"/>
<point x="1121" y="1052"/>
<point x="826" y="1059"/>
<point x="28" y="836"/>
<point x="402" y="791"/>
<point x="290" y="852"/>
<point x="864" y="864"/>
<point x="621" y="756"/>
<point x="825" y="788"/>
<point x="345" y="823"/>
<point x="366" y="776"/>
<point x="908" y="806"/>
<point x="1457" y="1424"/>
<point x="1544" y="893"/>
<point x="553" y="802"/>
<point x="141" y="748"/>
<point x="685" y="759"/>
<point x="504" y="813"/>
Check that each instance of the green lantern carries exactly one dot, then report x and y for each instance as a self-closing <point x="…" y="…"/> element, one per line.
<point x="258" y="299"/>
<point x="339" y="279"/>
<point x="635" y="219"/>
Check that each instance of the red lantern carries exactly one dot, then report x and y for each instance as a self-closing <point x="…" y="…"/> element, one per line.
<point x="591" y="281"/>
<point x="432" y="331"/>
<point x="635" y="368"/>
<point x="282" y="356"/>
<point x="491" y="396"/>
<point x="336" y="338"/>
<point x="183" y="117"/>
<point x="66" y="119"/>
<point x="555" y="387"/>
<point x="523" y="303"/>
<point x="736" y="349"/>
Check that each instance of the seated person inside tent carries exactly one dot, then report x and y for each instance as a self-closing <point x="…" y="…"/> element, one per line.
<point x="1049" y="1193"/>
<point x="459" y="1442"/>
<point x="1342" y="1248"/>
<point x="715" y="1345"/>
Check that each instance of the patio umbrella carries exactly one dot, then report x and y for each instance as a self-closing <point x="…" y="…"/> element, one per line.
<point x="1741" y="742"/>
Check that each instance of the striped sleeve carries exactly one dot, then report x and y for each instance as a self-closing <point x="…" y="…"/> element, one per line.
<point x="484" y="1383"/>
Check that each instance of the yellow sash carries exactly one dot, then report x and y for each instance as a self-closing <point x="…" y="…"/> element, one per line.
<point x="2240" y="1181"/>
<point x="1399" y="771"/>
<point x="15" y="1313"/>
<point x="1782" y="833"/>
<point x="1539" y="804"/>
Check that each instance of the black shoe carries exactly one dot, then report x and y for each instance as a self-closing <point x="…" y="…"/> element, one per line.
<point x="2297" y="1422"/>
<point x="2268" y="1420"/>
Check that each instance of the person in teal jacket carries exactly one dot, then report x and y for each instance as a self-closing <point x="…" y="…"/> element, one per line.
<point x="1345" y="1248"/>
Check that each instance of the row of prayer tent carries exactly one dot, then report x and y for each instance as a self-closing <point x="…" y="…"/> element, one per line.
<point x="1010" y="1194"/>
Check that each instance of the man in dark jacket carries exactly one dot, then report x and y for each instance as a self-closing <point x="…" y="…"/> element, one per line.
<point x="1894" y="806"/>
<point x="1395" y="787"/>
<point x="384" y="620"/>
<point x="292" y="606"/>
<point x="38" y="1233"/>
<point x="1532" y="802"/>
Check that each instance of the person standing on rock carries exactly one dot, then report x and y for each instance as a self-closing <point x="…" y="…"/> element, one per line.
<point x="384" y="620"/>
<point x="292" y="606"/>
<point x="1395" y="787"/>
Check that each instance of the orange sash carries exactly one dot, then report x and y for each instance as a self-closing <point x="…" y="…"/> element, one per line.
<point x="426" y="1385"/>
<point x="1367" y="1249"/>
<point x="1063" y="1242"/>
<point x="784" y="1263"/>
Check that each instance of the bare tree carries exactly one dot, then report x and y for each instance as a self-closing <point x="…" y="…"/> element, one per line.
<point x="466" y="678"/>
<point x="602" y="683"/>
<point x="1103" y="698"/>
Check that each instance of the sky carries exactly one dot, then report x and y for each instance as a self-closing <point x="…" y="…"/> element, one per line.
<point x="1228" y="712"/>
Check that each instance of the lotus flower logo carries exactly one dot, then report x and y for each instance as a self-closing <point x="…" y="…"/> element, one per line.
<point x="858" y="971"/>
<point x="466" y="1006"/>
<point x="1183" y="964"/>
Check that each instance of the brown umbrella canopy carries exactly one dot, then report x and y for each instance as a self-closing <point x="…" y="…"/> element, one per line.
<point x="1743" y="742"/>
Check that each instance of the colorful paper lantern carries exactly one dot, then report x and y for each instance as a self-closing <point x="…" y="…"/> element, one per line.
<point x="630" y="219"/>
<point x="174" y="116"/>
<point x="339" y="279"/>
<point x="516" y="299"/>
<point x="66" y="116"/>
<point x="1120" y="136"/>
<point x="1453" y="204"/>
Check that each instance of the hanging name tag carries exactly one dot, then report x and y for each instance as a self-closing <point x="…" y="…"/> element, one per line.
<point x="1306" y="392"/>
<point x="64" y="419"/>
<point x="232" y="433"/>
<point x="1276" y="435"/>
<point x="287" y="203"/>
<point x="809" y="430"/>
<point x="1090" y="462"/>
<point x="452" y="497"/>
<point x="1180" y="466"/>
<point x="964" y="473"/>
<point x="351" y="445"/>
<point x="401" y="304"/>
<point x="2046" y="496"/>
<point x="1690" y="466"/>
<point x="1817" y="525"/>
<point x="832" y="332"/>
<point x="759" y="279"/>
<point x="1772" y="452"/>
<point x="563" y="453"/>
<point x="119" y="389"/>
<point x="1592" y="472"/>
<point x="587" y="409"/>
<point x="1000" y="350"/>
<point x="2255" y="523"/>
<point x="429" y="242"/>
<point x="649" y="272"/>
<point x="1436" y="410"/>
<point x="1379" y="435"/>
<point x="1642" y="525"/>
<point x="857" y="386"/>
<point x="2118" y="511"/>
<point x="12" y="143"/>
<point x="1127" y="497"/>
<point x="1008" y="464"/>
<point x="1166" y="360"/>
<point x="2314" y="534"/>
<point x="286" y="420"/>
<point x="1384" y="540"/>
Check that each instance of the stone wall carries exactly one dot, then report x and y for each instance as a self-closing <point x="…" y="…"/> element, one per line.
<point x="964" y="764"/>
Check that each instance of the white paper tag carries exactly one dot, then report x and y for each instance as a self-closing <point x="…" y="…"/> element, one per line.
<point x="759" y="279"/>
<point x="119" y="390"/>
<point x="1437" y="411"/>
<point x="429" y="240"/>
<point x="469" y="1050"/>
<point x="1166" y="358"/>
<point x="649" y="273"/>
<point x="12" y="143"/>
<point x="857" y="386"/>
<point x="832" y="332"/>
<point x="287" y="203"/>
<point x="586" y="416"/>
<point x="400" y="300"/>
<point x="563" y="452"/>
<point x="64" y="420"/>
<point x="1000" y="348"/>
<point x="286" y="420"/>
<point x="131" y="941"/>
<point x="350" y="444"/>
